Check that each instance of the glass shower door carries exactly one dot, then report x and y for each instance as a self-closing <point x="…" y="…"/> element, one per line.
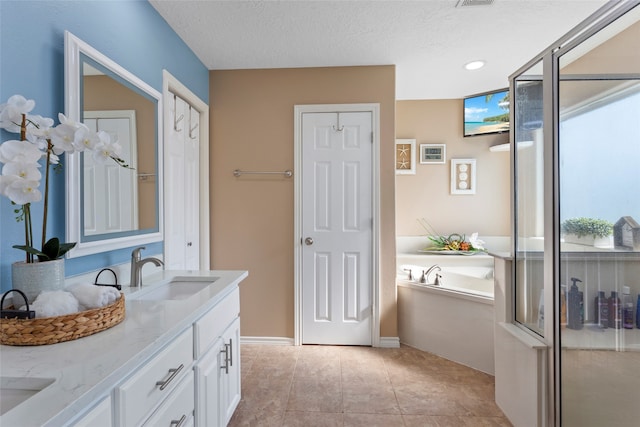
<point x="599" y="211"/>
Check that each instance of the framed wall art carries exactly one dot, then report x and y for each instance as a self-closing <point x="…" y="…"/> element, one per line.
<point x="432" y="154"/>
<point x="463" y="176"/>
<point x="405" y="156"/>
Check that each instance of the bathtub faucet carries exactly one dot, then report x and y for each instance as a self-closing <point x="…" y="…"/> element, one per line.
<point x="425" y="276"/>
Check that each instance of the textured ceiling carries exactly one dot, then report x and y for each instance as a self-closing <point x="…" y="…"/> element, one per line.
<point x="429" y="41"/>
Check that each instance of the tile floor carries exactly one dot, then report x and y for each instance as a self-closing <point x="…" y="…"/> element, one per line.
<point x="361" y="386"/>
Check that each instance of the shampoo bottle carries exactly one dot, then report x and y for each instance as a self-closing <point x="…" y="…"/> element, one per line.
<point x="627" y="308"/>
<point x="615" y="311"/>
<point x="602" y="310"/>
<point x="541" y="310"/>
<point x="638" y="313"/>
<point x="574" y="316"/>
<point x="563" y="306"/>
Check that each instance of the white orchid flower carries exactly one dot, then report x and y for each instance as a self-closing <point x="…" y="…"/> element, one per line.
<point x="64" y="120"/>
<point x="19" y="151"/>
<point x="40" y="130"/>
<point x="24" y="170"/>
<point x="106" y="149"/>
<point x="11" y="112"/>
<point x="54" y="159"/>
<point x="21" y="191"/>
<point x="475" y="242"/>
<point x="62" y="138"/>
<point x="85" y="139"/>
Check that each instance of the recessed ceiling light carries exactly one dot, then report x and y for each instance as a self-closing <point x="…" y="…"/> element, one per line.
<point x="474" y="65"/>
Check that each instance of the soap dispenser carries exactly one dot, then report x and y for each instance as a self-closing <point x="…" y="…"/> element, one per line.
<point x="575" y="306"/>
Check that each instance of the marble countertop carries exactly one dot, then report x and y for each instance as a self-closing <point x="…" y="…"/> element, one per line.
<point x="86" y="369"/>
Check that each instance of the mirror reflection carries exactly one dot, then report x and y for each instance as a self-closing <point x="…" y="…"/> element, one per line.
<point x="115" y="200"/>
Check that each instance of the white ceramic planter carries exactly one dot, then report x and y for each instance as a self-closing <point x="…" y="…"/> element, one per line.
<point x="598" y="242"/>
<point x="36" y="277"/>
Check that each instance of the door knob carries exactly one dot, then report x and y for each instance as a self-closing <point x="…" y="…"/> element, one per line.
<point x="308" y="241"/>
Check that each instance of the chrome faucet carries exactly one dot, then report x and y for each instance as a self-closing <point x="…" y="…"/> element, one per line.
<point x="425" y="276"/>
<point x="136" y="266"/>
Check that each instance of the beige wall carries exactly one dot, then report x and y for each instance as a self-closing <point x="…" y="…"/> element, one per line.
<point x="104" y="93"/>
<point x="252" y="217"/>
<point x="427" y="193"/>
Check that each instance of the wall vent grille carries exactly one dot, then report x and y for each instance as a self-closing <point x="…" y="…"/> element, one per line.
<point x="463" y="3"/>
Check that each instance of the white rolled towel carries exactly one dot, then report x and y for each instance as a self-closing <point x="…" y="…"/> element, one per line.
<point x="91" y="296"/>
<point x="54" y="303"/>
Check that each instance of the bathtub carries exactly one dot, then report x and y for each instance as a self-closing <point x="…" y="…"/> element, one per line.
<point x="454" y="320"/>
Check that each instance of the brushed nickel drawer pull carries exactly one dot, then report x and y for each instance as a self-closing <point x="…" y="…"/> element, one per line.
<point x="173" y="372"/>
<point x="231" y="351"/>
<point x="178" y="423"/>
<point x="226" y="358"/>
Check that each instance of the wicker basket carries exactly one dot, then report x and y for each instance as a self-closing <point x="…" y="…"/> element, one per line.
<point x="52" y="330"/>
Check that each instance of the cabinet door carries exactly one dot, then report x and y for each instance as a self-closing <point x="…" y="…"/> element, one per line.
<point x="230" y="369"/>
<point x="208" y="380"/>
<point x="218" y="379"/>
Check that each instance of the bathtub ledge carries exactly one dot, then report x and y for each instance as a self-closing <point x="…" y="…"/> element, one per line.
<point x="446" y="291"/>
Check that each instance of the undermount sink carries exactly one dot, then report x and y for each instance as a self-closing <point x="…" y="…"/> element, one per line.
<point x="14" y="391"/>
<point x="179" y="288"/>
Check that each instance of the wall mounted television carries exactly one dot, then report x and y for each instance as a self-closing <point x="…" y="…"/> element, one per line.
<point x="486" y="113"/>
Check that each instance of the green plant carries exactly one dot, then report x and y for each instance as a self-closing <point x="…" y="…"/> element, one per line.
<point x="587" y="227"/>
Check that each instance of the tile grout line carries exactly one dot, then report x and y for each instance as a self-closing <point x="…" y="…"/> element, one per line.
<point x="393" y="387"/>
<point x="291" y="380"/>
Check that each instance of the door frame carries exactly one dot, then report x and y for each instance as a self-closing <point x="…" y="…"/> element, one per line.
<point x="173" y="85"/>
<point x="299" y="110"/>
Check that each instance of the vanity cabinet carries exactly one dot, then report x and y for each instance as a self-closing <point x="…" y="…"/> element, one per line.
<point x="169" y="363"/>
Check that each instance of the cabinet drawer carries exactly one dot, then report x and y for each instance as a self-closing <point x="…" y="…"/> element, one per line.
<point x="154" y="380"/>
<point x="212" y="325"/>
<point x="178" y="408"/>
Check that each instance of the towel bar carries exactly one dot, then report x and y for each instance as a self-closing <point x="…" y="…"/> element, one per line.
<point x="288" y="173"/>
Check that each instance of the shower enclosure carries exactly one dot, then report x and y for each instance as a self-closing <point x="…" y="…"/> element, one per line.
<point x="576" y="168"/>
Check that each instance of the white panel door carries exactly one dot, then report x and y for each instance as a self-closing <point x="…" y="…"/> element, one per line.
<point x="181" y="182"/>
<point x="337" y="228"/>
<point x="110" y="191"/>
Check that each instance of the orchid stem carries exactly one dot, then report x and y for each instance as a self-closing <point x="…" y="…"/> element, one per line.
<point x="46" y="193"/>
<point x="28" y="230"/>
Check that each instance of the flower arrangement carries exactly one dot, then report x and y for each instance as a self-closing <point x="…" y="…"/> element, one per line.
<point x="39" y="139"/>
<point x="453" y="242"/>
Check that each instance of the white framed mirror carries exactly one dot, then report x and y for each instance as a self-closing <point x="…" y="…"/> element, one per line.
<point x="109" y="207"/>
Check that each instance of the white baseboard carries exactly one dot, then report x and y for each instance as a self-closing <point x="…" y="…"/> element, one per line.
<point x="266" y="340"/>
<point x="385" y="342"/>
<point x="389" y="342"/>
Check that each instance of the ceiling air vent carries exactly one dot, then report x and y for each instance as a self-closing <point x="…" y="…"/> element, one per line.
<point x="463" y="3"/>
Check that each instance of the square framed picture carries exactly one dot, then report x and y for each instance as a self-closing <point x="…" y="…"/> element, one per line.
<point x="463" y="176"/>
<point x="405" y="156"/>
<point x="433" y="154"/>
